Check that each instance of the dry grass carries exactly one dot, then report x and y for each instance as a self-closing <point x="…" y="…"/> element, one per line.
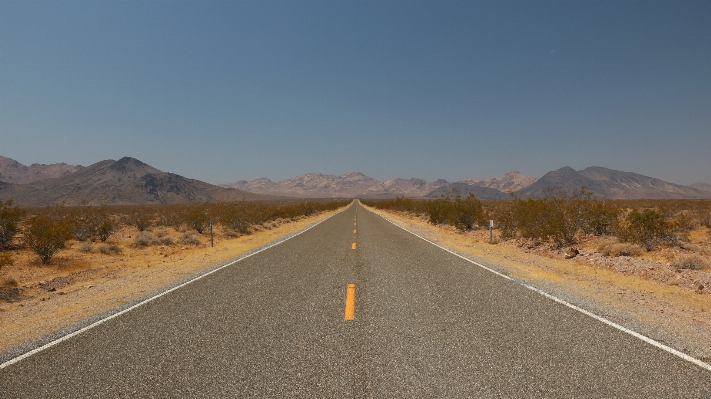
<point x="691" y="262"/>
<point x="620" y="249"/>
<point x="86" y="284"/>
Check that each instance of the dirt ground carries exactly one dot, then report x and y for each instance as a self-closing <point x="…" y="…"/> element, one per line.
<point x="39" y="299"/>
<point x="643" y="293"/>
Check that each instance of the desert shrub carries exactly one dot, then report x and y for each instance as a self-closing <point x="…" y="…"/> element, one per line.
<point x="684" y="220"/>
<point x="462" y="213"/>
<point x="620" y="249"/>
<point x="648" y="228"/>
<point x="106" y="229"/>
<point x="10" y="217"/>
<point x="197" y="217"/>
<point x="6" y="259"/>
<point x="11" y="282"/>
<point x="599" y="217"/>
<point x="108" y="249"/>
<point x="692" y="262"/>
<point x="505" y="222"/>
<point x="84" y="222"/>
<point x="172" y="218"/>
<point x="141" y="219"/>
<point x="144" y="239"/>
<point x="237" y="216"/>
<point x="189" y="239"/>
<point x="161" y="233"/>
<point x="47" y="232"/>
<point x="704" y="217"/>
<point x="167" y="240"/>
<point x="85" y="246"/>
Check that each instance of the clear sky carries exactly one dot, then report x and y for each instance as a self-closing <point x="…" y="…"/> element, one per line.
<point x="228" y="90"/>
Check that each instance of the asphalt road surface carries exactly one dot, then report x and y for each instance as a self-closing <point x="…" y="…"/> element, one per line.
<point x="425" y="324"/>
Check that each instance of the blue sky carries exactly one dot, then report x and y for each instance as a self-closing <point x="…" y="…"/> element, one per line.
<point x="222" y="91"/>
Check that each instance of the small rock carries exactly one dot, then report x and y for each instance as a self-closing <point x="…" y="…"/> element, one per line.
<point x="52" y="289"/>
<point x="571" y="253"/>
<point x="62" y="293"/>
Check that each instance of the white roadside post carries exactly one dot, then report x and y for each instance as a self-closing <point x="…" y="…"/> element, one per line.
<point x="491" y="232"/>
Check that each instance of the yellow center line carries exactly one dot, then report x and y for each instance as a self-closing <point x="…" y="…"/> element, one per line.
<point x="350" y="302"/>
<point x="354" y="231"/>
<point x="353" y="246"/>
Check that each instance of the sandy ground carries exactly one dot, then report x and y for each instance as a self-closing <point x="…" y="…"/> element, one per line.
<point x="78" y="285"/>
<point x="644" y="294"/>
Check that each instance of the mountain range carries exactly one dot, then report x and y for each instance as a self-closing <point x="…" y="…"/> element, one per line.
<point x="130" y="181"/>
<point x="126" y="181"/>
<point x="609" y="183"/>
<point x="357" y="184"/>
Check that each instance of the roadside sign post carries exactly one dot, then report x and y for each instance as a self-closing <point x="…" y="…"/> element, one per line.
<point x="212" y="241"/>
<point x="491" y="232"/>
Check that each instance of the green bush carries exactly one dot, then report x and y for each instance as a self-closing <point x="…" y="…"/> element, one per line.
<point x="647" y="228"/>
<point x="46" y="233"/>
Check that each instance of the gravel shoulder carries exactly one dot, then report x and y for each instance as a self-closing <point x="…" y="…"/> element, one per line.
<point x="635" y="293"/>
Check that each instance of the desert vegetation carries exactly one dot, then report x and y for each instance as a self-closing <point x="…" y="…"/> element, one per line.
<point x="47" y="230"/>
<point x="562" y="217"/>
<point x="667" y="241"/>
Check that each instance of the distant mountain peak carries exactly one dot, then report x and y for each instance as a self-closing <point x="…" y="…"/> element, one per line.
<point x="610" y="183"/>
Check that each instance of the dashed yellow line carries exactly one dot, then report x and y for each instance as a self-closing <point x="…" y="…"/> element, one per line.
<point x="353" y="246"/>
<point x="350" y="302"/>
<point x="354" y="231"/>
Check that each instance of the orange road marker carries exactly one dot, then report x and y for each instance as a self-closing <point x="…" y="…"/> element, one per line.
<point x="353" y="246"/>
<point x="350" y="302"/>
<point x="354" y="231"/>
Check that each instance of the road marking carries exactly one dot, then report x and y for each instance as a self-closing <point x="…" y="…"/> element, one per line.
<point x="160" y="294"/>
<point x="350" y="302"/>
<point x="354" y="231"/>
<point x="610" y="323"/>
<point x="353" y="246"/>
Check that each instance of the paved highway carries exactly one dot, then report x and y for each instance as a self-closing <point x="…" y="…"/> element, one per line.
<point x="416" y="321"/>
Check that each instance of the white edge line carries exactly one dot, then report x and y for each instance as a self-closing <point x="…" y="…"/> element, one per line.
<point x="610" y="323"/>
<point x="117" y="314"/>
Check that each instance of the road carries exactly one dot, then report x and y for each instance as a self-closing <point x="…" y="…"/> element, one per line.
<point x="425" y="323"/>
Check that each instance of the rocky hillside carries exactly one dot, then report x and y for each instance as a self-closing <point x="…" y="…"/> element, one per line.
<point x="510" y="182"/>
<point x="615" y="184"/>
<point x="126" y="181"/>
<point x="12" y="171"/>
